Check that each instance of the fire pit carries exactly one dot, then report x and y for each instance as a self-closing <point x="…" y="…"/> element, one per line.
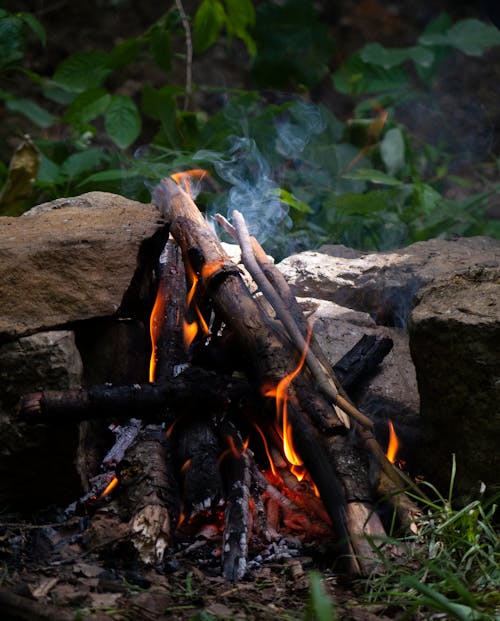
<point x="247" y="435"/>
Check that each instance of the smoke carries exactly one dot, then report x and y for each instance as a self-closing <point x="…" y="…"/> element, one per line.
<point x="254" y="176"/>
<point x="252" y="190"/>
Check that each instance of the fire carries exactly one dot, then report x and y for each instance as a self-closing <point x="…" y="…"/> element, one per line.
<point x="393" y="447"/>
<point x="266" y="448"/>
<point x="186" y="178"/>
<point x="110" y="487"/>
<point x="155" y="324"/>
<point x="281" y="395"/>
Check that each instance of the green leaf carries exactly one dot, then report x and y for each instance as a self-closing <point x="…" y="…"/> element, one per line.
<point x="375" y="176"/>
<point x="124" y="53"/>
<point x="425" y="197"/>
<point x="11" y="40"/>
<point x="109" y="175"/>
<point x="356" y="77"/>
<point x="392" y="150"/>
<point x="438" y="601"/>
<point x="366" y="204"/>
<point x="31" y="110"/>
<point x="122" y="121"/>
<point x="241" y="16"/>
<point x="208" y="22"/>
<point x="293" y="45"/>
<point x="79" y="163"/>
<point x="376" y="54"/>
<point x="50" y="172"/>
<point x="32" y="22"/>
<point x="161" y="49"/>
<point x="82" y="71"/>
<point x="87" y="106"/>
<point x="471" y="36"/>
<point x="292" y="201"/>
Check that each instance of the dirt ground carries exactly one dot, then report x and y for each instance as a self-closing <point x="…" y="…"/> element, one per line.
<point x="46" y="569"/>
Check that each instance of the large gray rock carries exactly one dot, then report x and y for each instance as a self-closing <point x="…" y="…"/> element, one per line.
<point x="455" y="343"/>
<point x="384" y="283"/>
<point x="73" y="259"/>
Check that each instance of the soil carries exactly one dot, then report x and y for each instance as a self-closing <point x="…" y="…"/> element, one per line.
<point x="45" y="562"/>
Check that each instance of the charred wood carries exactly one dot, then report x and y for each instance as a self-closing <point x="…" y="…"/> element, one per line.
<point x="235" y="466"/>
<point x="147" y="494"/>
<point x="362" y="360"/>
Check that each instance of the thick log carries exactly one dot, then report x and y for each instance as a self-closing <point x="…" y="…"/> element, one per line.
<point x="195" y="389"/>
<point x="167" y="315"/>
<point x="148" y="494"/>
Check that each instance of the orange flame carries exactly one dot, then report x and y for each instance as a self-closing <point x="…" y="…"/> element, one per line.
<point x="110" y="487"/>
<point x="266" y="448"/>
<point x="281" y="395"/>
<point x="393" y="447"/>
<point x="185" y="180"/>
<point x="155" y="323"/>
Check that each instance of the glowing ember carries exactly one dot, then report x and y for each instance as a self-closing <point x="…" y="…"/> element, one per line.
<point x="393" y="447"/>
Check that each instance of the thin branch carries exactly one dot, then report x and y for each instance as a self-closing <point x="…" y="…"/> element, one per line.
<point x="321" y="375"/>
<point x="189" y="53"/>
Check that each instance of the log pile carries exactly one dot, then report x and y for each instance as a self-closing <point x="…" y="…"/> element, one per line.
<point x="254" y="364"/>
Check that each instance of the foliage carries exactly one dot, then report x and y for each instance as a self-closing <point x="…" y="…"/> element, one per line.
<point x="366" y="182"/>
<point x="451" y="567"/>
<point x="319" y="605"/>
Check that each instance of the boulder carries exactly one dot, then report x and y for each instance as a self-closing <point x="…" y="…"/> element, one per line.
<point x="37" y="462"/>
<point x="384" y="284"/>
<point x="455" y="344"/>
<point x="75" y="259"/>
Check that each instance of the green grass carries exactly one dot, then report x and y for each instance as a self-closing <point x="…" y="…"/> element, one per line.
<point x="452" y="566"/>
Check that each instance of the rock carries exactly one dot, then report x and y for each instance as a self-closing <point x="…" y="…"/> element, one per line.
<point x="384" y="284"/>
<point x="455" y="344"/>
<point x="37" y="462"/>
<point x="42" y="360"/>
<point x="75" y="259"/>
<point x="392" y="392"/>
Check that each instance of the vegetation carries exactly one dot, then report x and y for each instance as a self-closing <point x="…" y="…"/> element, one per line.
<point x="366" y="181"/>
<point x="452" y="567"/>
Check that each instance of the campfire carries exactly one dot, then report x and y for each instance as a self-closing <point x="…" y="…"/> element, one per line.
<point x="243" y="432"/>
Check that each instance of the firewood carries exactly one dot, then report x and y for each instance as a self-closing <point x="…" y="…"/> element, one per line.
<point x="148" y="497"/>
<point x="268" y="358"/>
<point x="236" y="470"/>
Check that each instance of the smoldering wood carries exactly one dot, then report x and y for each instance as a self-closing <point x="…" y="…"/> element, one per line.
<point x="148" y="493"/>
<point x="195" y="389"/>
<point x="362" y="360"/>
<point x="169" y="350"/>
<point x="197" y="456"/>
<point x="236" y="470"/>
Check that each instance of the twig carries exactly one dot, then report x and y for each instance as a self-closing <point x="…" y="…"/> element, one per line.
<point x="189" y="53"/>
<point x="321" y="375"/>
